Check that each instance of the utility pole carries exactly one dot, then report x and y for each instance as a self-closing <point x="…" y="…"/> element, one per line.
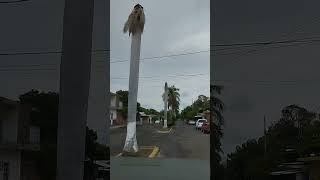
<point x="165" y="105"/>
<point x="75" y="70"/>
<point x="265" y="135"/>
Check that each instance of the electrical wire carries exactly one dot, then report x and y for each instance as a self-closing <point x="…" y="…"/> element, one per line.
<point x="13" y="1"/>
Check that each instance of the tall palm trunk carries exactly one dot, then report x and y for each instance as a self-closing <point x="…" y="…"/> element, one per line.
<point x="134" y="25"/>
<point x="131" y="139"/>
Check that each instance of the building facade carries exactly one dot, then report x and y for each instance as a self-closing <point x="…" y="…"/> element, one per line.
<point x="18" y="140"/>
<point x="115" y="106"/>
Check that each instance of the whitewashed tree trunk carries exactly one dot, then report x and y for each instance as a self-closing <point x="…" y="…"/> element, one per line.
<point x="131" y="144"/>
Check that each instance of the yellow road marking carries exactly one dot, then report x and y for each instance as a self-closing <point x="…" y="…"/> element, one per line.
<point x="154" y="152"/>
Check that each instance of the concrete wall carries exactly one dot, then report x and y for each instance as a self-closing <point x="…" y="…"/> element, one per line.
<point x="14" y="160"/>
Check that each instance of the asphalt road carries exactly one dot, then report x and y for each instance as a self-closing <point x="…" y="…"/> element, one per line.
<point x="184" y="142"/>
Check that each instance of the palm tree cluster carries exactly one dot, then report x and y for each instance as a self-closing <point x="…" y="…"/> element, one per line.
<point x="173" y="99"/>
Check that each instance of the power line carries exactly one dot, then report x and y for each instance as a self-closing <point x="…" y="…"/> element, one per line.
<point x="45" y="52"/>
<point x="231" y="46"/>
<point x="288" y="34"/>
<point x="251" y="51"/>
<point x="265" y="42"/>
<point x="14" y="1"/>
<point x="165" y="56"/>
<point x="151" y="77"/>
<point x="264" y="47"/>
<point x="268" y="82"/>
<point x="222" y="54"/>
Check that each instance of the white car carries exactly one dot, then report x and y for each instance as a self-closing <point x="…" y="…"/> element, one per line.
<point x="157" y="122"/>
<point x="200" y="122"/>
<point x="191" y="122"/>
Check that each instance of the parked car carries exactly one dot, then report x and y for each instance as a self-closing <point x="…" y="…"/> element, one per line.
<point x="157" y="121"/>
<point x="205" y="127"/>
<point x="199" y="123"/>
<point x="191" y="122"/>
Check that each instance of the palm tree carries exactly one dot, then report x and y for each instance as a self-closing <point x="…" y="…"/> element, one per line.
<point x="173" y="99"/>
<point x="217" y="105"/>
<point x="216" y="134"/>
<point x="135" y="26"/>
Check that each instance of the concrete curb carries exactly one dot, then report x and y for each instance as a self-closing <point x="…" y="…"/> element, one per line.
<point x="116" y="127"/>
<point x="153" y="154"/>
<point x="118" y="155"/>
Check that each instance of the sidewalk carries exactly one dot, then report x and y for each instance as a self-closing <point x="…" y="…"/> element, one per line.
<point x="159" y="169"/>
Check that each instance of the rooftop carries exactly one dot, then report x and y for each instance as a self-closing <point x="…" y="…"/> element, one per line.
<point x="7" y="101"/>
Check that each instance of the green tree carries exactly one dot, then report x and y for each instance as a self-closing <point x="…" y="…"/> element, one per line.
<point x="188" y="113"/>
<point x="173" y="100"/>
<point x="216" y="124"/>
<point x="250" y="161"/>
<point x="123" y="97"/>
<point x="45" y="116"/>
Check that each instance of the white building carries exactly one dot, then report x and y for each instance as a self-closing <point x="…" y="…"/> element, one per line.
<point x="115" y="105"/>
<point x="17" y="140"/>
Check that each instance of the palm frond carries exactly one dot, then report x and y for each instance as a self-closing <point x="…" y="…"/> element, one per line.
<point x="217" y="103"/>
<point x="216" y="89"/>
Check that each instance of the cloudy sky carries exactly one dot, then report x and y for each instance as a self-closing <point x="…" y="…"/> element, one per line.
<point x="177" y="27"/>
<point x="172" y="27"/>
<point x="247" y="98"/>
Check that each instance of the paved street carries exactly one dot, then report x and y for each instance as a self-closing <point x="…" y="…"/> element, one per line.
<point x="184" y="154"/>
<point x="159" y="169"/>
<point x="183" y="142"/>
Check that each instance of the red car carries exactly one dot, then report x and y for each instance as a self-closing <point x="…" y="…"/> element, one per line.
<point x="206" y="128"/>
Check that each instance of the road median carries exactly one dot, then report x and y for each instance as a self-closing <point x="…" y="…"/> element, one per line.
<point x="165" y="130"/>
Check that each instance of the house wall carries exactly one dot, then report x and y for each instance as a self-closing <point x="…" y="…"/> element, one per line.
<point x="9" y="125"/>
<point x="113" y="101"/>
<point x="145" y="120"/>
<point x="13" y="158"/>
<point x="315" y="171"/>
<point x="120" y="120"/>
